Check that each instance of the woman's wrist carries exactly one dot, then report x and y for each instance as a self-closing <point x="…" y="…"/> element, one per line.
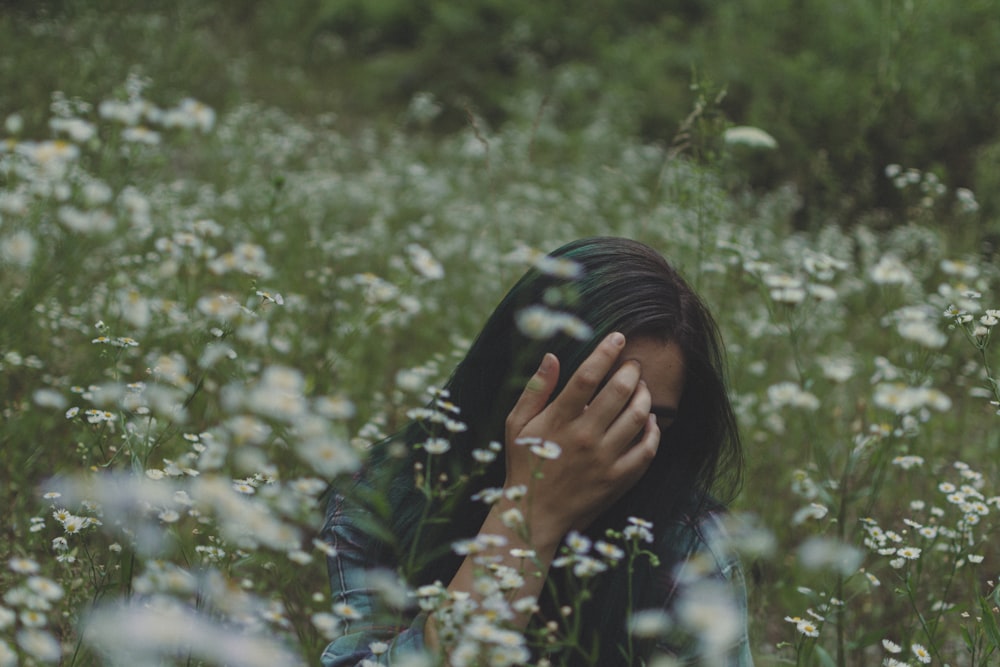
<point x="525" y="528"/>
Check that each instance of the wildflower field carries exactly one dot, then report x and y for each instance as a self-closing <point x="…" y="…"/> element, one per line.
<point x="211" y="308"/>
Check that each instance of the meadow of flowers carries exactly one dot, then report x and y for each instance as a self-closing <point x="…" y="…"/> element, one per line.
<point x="208" y="316"/>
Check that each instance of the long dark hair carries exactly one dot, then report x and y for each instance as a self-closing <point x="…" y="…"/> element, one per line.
<point x="610" y="284"/>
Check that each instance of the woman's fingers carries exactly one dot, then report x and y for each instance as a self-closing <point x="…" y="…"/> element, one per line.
<point x="535" y="395"/>
<point x="629" y="422"/>
<point x="631" y="465"/>
<point x="584" y="383"/>
<point x="617" y="393"/>
<point x="615" y="412"/>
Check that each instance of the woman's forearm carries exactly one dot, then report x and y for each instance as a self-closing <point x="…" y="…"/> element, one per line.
<point x="530" y="553"/>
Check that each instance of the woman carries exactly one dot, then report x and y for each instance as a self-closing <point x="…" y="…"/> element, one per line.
<point x="604" y="350"/>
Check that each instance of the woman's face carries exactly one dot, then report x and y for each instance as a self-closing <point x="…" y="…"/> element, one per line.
<point x="662" y="366"/>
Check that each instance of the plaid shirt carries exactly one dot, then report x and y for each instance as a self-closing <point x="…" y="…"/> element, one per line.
<point x="698" y="545"/>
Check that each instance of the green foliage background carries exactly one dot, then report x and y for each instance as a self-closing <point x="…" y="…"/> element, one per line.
<point x="845" y="87"/>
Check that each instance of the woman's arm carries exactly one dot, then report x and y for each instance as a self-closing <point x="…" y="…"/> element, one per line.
<point x="606" y="438"/>
<point x="354" y="597"/>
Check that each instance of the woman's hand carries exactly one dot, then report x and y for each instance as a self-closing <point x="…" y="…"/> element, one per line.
<point x="608" y="439"/>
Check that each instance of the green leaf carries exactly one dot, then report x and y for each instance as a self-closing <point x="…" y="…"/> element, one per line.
<point x="969" y="642"/>
<point x="824" y="657"/>
<point x="990" y="622"/>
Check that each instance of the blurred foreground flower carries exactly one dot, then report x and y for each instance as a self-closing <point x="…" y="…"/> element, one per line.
<point x="152" y="631"/>
<point x="903" y="399"/>
<point x="824" y="553"/>
<point x="746" y="135"/>
<point x="539" y="322"/>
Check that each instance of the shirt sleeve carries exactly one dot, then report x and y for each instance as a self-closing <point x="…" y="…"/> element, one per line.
<point x="366" y="640"/>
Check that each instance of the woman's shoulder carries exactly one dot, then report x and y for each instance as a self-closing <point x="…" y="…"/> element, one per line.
<point x="696" y="542"/>
<point x="705" y="580"/>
